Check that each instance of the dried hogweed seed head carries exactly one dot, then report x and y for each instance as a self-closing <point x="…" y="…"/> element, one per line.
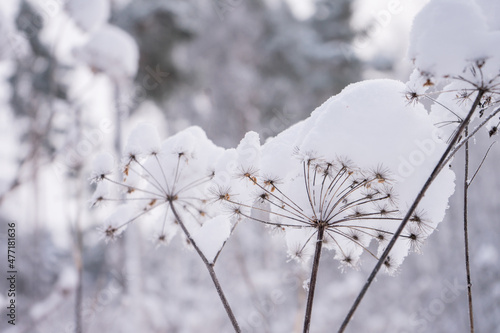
<point x="351" y="205"/>
<point x="158" y="177"/>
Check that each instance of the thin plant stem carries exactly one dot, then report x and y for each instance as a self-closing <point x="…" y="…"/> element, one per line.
<point x="412" y="209"/>
<point x="481" y="164"/>
<point x="211" y="271"/>
<point x="314" y="275"/>
<point x="466" y="234"/>
<point x="468" y="137"/>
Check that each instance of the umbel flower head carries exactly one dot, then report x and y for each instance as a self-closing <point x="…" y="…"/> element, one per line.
<point x="348" y="173"/>
<point x="351" y="205"/>
<point x="451" y="71"/>
<point x="154" y="177"/>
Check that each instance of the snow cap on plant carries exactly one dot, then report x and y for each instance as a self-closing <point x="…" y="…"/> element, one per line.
<point x="457" y="60"/>
<point x="144" y="139"/>
<point x="447" y="35"/>
<point x="112" y="51"/>
<point x="89" y="15"/>
<point x="234" y="178"/>
<point x="155" y="175"/>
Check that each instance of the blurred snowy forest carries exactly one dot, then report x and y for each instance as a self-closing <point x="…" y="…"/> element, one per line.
<point x="76" y="76"/>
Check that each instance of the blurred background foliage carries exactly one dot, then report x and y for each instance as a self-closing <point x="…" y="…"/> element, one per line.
<point x="229" y="66"/>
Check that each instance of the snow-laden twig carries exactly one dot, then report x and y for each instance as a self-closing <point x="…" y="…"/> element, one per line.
<point x="467" y="184"/>
<point x="466" y="233"/>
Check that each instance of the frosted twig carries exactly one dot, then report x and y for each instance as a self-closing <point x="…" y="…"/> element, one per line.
<point x="466" y="233"/>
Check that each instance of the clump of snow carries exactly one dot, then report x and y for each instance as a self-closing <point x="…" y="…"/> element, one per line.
<point x="144" y="139"/>
<point x="454" y="47"/>
<point x="110" y="50"/>
<point x="235" y="167"/>
<point x="447" y="35"/>
<point x="212" y="236"/>
<point x="89" y="15"/>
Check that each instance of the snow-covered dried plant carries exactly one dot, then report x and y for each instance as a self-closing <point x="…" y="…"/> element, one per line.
<point x="168" y="183"/>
